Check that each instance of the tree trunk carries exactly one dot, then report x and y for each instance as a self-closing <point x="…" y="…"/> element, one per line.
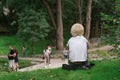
<point x="79" y="11"/>
<point x="97" y="29"/>
<point x="52" y="19"/>
<point x="88" y="19"/>
<point x="32" y="47"/>
<point x="59" y="26"/>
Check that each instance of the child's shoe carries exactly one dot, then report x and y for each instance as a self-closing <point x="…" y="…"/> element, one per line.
<point x="49" y="65"/>
<point x="45" y="67"/>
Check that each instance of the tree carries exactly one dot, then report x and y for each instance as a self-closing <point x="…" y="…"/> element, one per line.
<point x="57" y="24"/>
<point x="98" y="6"/>
<point x="88" y="19"/>
<point x="72" y="11"/>
<point x="50" y="12"/>
<point x="59" y="32"/>
<point x="111" y="27"/>
<point x="32" y="26"/>
<point x="79" y="10"/>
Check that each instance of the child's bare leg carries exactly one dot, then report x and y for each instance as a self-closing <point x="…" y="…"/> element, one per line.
<point x="11" y="66"/>
<point x="14" y="66"/>
<point x="17" y="65"/>
<point x="49" y="61"/>
<point x="45" y="62"/>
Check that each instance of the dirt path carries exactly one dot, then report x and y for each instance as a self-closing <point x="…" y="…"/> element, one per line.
<point x="106" y="48"/>
<point x="55" y="63"/>
<point x="39" y="63"/>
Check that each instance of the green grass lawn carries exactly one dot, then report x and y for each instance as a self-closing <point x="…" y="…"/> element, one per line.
<point x="5" y="41"/>
<point x="103" y="70"/>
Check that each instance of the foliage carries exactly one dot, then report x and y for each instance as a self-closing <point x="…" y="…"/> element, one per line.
<point x="33" y="25"/>
<point x="69" y="14"/>
<point x="37" y="9"/>
<point x="111" y="28"/>
<point x="108" y="69"/>
<point x="69" y="8"/>
<point x="117" y="8"/>
<point x="0" y="9"/>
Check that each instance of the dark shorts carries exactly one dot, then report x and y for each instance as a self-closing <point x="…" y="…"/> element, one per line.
<point x="77" y="65"/>
<point x="16" y="60"/>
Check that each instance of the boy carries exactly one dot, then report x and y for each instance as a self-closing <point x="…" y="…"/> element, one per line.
<point x="77" y="47"/>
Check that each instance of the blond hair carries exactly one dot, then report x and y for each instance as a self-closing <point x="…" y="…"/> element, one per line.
<point x="77" y="30"/>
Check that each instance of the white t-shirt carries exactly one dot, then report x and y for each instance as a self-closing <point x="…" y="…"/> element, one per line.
<point x="77" y="48"/>
<point x="49" y="48"/>
<point x="46" y="52"/>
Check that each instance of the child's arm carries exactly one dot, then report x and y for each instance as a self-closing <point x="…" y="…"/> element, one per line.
<point x="14" y="54"/>
<point x="88" y="44"/>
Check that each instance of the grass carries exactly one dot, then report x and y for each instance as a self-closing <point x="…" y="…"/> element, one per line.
<point x="103" y="70"/>
<point x="5" y="41"/>
<point x="4" y="64"/>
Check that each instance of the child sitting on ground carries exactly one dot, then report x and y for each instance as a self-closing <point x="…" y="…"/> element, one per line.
<point x="77" y="46"/>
